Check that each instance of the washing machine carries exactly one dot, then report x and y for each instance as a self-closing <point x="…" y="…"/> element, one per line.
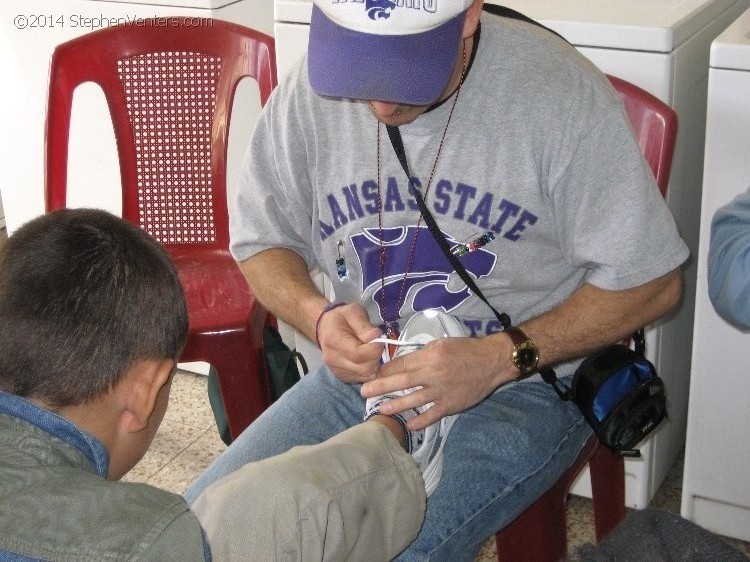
<point x="30" y="31"/>
<point x="715" y="487"/>
<point x="662" y="46"/>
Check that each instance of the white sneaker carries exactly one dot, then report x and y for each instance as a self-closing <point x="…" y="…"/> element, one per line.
<point x="425" y="445"/>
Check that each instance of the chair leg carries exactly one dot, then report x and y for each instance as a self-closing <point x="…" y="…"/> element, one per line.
<point x="239" y="360"/>
<point x="241" y="372"/>
<point x="607" y="490"/>
<point x="539" y="533"/>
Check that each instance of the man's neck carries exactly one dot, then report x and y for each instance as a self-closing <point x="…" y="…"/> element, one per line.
<point x="470" y="44"/>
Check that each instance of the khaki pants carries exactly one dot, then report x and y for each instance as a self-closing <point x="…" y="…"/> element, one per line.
<point x="358" y="496"/>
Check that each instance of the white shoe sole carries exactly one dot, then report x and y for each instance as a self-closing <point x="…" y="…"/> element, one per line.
<point x="423" y="328"/>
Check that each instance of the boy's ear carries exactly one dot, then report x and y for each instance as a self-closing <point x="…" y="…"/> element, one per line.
<point x="139" y="391"/>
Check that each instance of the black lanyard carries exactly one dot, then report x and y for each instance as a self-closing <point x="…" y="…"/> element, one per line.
<point x="398" y="146"/>
<point x="394" y="134"/>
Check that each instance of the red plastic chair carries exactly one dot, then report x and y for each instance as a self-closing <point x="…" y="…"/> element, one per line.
<point x="539" y="534"/>
<point x="170" y="90"/>
<point x="655" y="126"/>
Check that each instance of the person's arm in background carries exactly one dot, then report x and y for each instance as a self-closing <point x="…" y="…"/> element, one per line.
<point x="729" y="262"/>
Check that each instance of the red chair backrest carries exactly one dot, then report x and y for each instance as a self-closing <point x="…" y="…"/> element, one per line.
<point x="655" y="126"/>
<point x="169" y="90"/>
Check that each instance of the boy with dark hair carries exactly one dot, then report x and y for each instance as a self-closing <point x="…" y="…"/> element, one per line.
<point x="92" y="321"/>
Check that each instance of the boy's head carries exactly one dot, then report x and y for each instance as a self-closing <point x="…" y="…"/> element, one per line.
<point x="86" y="299"/>
<point x="84" y="295"/>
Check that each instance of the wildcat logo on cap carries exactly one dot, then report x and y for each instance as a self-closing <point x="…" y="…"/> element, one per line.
<point x="379" y="8"/>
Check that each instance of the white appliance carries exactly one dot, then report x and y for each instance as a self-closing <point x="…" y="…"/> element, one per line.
<point x="663" y="47"/>
<point x="715" y="486"/>
<point x="30" y="32"/>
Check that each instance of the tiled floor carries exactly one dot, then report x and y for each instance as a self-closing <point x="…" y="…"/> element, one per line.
<point x="187" y="442"/>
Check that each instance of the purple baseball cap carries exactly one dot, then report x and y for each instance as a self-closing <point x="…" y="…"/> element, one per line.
<point x="394" y="51"/>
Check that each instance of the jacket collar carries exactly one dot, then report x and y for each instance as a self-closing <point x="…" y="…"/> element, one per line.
<point x="59" y="427"/>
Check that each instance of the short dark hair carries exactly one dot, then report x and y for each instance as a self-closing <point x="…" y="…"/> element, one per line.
<point x="84" y="295"/>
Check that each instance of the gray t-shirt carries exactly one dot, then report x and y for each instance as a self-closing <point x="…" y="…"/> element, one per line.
<point x="539" y="152"/>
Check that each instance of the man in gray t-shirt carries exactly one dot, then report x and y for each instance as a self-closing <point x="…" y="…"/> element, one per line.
<point x="526" y="159"/>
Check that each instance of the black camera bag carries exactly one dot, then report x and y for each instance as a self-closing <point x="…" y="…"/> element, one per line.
<point x="621" y="397"/>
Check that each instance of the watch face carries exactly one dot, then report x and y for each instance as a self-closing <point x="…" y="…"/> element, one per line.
<point x="526" y="356"/>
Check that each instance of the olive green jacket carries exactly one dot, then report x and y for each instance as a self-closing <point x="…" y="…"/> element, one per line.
<point x="55" y="503"/>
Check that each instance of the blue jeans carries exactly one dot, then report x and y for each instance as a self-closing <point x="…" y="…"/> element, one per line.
<point x="500" y="456"/>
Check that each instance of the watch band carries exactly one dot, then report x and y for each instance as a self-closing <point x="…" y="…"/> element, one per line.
<point x="516" y="335"/>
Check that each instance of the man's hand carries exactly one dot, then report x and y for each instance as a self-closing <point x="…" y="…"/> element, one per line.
<point x="454" y="373"/>
<point x="343" y="336"/>
<point x="280" y="280"/>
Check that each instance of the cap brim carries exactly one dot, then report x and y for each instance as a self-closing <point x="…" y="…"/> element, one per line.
<point x="409" y="69"/>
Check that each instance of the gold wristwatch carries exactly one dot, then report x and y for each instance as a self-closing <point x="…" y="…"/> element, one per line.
<point x="525" y="353"/>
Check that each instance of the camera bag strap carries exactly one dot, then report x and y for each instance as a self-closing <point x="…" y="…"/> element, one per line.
<point x="394" y="135"/>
